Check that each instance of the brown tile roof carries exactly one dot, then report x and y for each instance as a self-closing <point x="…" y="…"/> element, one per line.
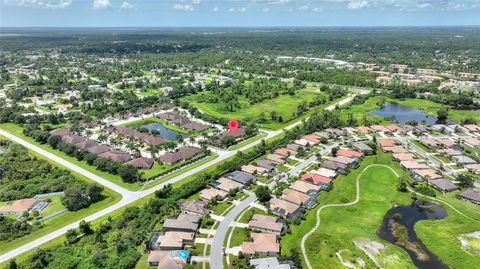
<point x="262" y="243"/>
<point x="283" y="207"/>
<point x="142" y="163"/>
<point x="99" y="149"/>
<point x="181" y="154"/>
<point x="285" y="152"/>
<point x="349" y="153"/>
<point x="174" y="118"/>
<point x="295" y="197"/>
<point x="86" y="144"/>
<point x="209" y="194"/>
<point x="195" y="126"/>
<point x="471" y="194"/>
<point x="268" y="223"/>
<point x="196" y="206"/>
<point x="304" y="187"/>
<point x="386" y="142"/>
<point x="116" y="156"/>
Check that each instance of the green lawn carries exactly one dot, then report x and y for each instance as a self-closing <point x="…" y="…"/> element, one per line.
<point x="443" y="240"/>
<point x="54" y="206"/>
<point x="292" y="161"/>
<point x="239" y="235"/>
<point x="284" y="105"/>
<point x="248" y="141"/>
<point x="341" y="226"/>
<point x="249" y="212"/>
<point x="221" y="208"/>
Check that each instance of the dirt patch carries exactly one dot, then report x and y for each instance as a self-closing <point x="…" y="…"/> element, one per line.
<point x="379" y="253"/>
<point x="471" y="242"/>
<point x="347" y="258"/>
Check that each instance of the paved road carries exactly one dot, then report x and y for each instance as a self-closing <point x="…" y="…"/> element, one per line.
<point x="127" y="195"/>
<point x="216" y="252"/>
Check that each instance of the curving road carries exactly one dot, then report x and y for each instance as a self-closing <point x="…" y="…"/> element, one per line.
<point x="357" y="199"/>
<point x="127" y="195"/>
<point x="216" y="253"/>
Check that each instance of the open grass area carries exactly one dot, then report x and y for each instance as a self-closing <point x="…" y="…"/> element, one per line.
<point x="341" y="226"/>
<point x="248" y="141"/>
<point x="222" y="208"/>
<point x="441" y="236"/>
<point x="284" y="105"/>
<point x="54" y="206"/>
<point x="239" y="235"/>
<point x="249" y="212"/>
<point x="362" y="111"/>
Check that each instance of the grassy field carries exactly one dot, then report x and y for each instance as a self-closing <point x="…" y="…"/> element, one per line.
<point x="341" y="226"/>
<point x="54" y="206"/>
<point x="284" y="105"/>
<point x="239" y="235"/>
<point x="441" y="236"/>
<point x="362" y="111"/>
<point x="65" y="218"/>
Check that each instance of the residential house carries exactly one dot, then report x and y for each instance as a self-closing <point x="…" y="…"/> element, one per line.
<point x="350" y="153"/>
<point x="279" y="159"/>
<point x="472" y="127"/>
<point x="442" y="185"/>
<point x="446" y="142"/>
<point x="474" y="168"/>
<point x="285" y="152"/>
<point x="364" y="129"/>
<point x="305" y="187"/>
<point x="181" y="154"/>
<point x="262" y="244"/>
<point x="386" y="142"/>
<point x="285" y="208"/>
<point x="267" y="164"/>
<point x="268" y="263"/>
<point x="266" y="224"/>
<point x="321" y="181"/>
<point x="325" y="172"/>
<point x="252" y="169"/>
<point x="209" y="194"/>
<point x="395" y="129"/>
<point x="350" y="162"/>
<point x="297" y="197"/>
<point x="237" y="134"/>
<point x="195" y="126"/>
<point x="195" y="207"/>
<point x="425" y="173"/>
<point x="403" y="156"/>
<point x="471" y="195"/>
<point x="472" y="142"/>
<point x="395" y="150"/>
<point x="336" y="166"/>
<point x="172" y="240"/>
<point x="429" y="142"/>
<point x="413" y="165"/>
<point x="168" y="259"/>
<point x="463" y="160"/>
<point x="116" y="156"/>
<point x="312" y="139"/>
<point x="227" y="185"/>
<point x="303" y="142"/>
<point x="379" y="128"/>
<point x="363" y="148"/>
<point x="448" y="152"/>
<point x="241" y="177"/>
<point x="141" y="163"/>
<point x="184" y="222"/>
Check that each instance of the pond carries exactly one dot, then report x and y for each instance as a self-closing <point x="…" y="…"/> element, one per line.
<point x="165" y="133"/>
<point x="398" y="228"/>
<point x="403" y="113"/>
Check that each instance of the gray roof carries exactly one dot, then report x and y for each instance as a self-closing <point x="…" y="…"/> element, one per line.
<point x="241" y="177"/>
<point x="464" y="159"/>
<point x="443" y="184"/>
<point x="471" y="194"/>
<point x="267" y="164"/>
<point x="183" y="222"/>
<point x="268" y="263"/>
<point x="334" y="165"/>
<point x="362" y="147"/>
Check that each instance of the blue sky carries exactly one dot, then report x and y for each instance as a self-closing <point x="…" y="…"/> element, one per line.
<point x="184" y="13"/>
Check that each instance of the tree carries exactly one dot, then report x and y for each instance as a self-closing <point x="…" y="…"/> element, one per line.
<point x="94" y="191"/>
<point x="12" y="264"/>
<point x="464" y="181"/>
<point x="263" y="193"/>
<point x="334" y="151"/>
<point x="442" y="115"/>
<point x="71" y="236"/>
<point x="85" y="228"/>
<point x="75" y="198"/>
<point x="128" y="173"/>
<point x="402" y="186"/>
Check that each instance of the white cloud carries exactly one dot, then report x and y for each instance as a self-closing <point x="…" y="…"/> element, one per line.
<point x="303" y="8"/>
<point x="357" y="4"/>
<point x="215" y="9"/>
<point x="126" y="5"/>
<point x="46" y="4"/>
<point x="317" y="9"/>
<point x="183" y="7"/>
<point x="267" y="9"/>
<point x="240" y="9"/>
<point x="101" y="4"/>
<point x="196" y="2"/>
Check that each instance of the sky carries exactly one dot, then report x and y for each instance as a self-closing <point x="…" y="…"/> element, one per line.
<point x="237" y="13"/>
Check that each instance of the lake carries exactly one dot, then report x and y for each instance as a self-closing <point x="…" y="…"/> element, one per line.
<point x="165" y="133"/>
<point x="400" y="218"/>
<point x="403" y="113"/>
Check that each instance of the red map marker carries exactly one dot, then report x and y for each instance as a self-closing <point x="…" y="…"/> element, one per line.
<point x="232" y="125"/>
